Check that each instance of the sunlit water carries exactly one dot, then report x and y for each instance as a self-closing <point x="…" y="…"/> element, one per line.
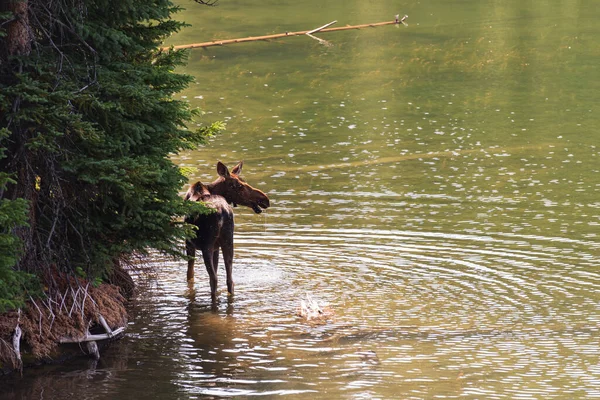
<point x="436" y="186"/>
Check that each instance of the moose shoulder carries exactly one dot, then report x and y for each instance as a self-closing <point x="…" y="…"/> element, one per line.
<point x="215" y="230"/>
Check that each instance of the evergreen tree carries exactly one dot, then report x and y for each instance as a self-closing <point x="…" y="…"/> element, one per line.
<point x="13" y="284"/>
<point x="88" y="125"/>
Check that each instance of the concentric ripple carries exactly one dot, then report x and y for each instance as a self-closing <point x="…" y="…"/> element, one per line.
<point x="483" y="314"/>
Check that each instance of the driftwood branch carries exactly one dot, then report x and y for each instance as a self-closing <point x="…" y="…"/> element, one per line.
<point x="17" y="342"/>
<point x="90" y="340"/>
<point x="401" y="21"/>
<point x="40" y="311"/>
<point x="107" y="328"/>
<point x="321" y="28"/>
<point x="92" y="349"/>
<point x="93" y="338"/>
<point x="286" y="34"/>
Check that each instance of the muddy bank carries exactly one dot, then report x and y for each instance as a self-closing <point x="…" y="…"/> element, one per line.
<point x="74" y="318"/>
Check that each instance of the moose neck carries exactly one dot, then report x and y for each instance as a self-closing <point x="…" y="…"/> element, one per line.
<point x="218" y="188"/>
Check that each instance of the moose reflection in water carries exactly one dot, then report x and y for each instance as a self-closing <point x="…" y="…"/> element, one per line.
<point x="215" y="230"/>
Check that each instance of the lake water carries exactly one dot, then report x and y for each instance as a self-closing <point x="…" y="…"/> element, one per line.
<point x="436" y="186"/>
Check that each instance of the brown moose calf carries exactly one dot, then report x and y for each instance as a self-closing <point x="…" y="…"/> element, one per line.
<point x="215" y="230"/>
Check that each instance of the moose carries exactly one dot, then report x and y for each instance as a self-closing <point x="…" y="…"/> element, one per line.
<point x="215" y="230"/>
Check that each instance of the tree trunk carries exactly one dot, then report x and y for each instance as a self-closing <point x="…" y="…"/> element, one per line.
<point x="17" y="41"/>
<point x="18" y="33"/>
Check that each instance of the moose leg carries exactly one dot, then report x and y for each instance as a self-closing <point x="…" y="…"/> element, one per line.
<point x="216" y="260"/>
<point x="207" y="254"/>
<point x="215" y="265"/>
<point x="228" y="260"/>
<point x="190" y="251"/>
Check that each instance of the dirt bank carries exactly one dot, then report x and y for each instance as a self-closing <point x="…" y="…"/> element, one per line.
<point x="74" y="311"/>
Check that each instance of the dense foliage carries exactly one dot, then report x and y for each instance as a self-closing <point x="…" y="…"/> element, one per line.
<point x="88" y="127"/>
<point x="13" y="213"/>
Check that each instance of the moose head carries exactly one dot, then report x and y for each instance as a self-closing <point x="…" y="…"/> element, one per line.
<point x="236" y="191"/>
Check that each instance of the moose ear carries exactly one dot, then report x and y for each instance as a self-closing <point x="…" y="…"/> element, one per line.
<point x="222" y="170"/>
<point x="196" y="191"/>
<point x="238" y="168"/>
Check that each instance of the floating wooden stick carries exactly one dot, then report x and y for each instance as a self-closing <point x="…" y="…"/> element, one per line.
<point x="281" y="35"/>
<point x="321" y="28"/>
